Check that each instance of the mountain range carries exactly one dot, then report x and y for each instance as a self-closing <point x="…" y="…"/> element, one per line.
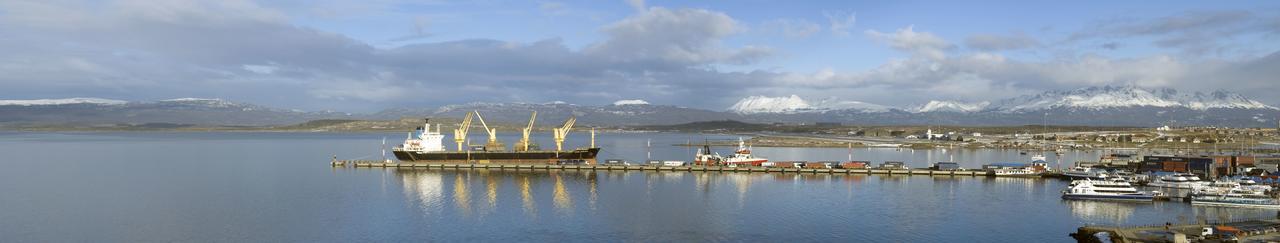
<point x="197" y="111"/>
<point x="1092" y="98"/>
<point x="1109" y="106"/>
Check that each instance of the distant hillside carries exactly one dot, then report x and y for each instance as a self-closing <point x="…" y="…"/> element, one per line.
<point x="189" y="111"/>
<point x="709" y="126"/>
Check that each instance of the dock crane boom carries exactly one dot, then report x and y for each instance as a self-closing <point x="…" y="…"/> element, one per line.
<point x="493" y="144"/>
<point x="560" y="133"/>
<point x="524" y="139"/>
<point x="460" y="133"/>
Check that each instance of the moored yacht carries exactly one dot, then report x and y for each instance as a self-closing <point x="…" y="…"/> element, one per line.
<point x="1236" y="197"/>
<point x="1116" y="190"/>
<point x="1178" y="180"/>
<point x="1079" y="172"/>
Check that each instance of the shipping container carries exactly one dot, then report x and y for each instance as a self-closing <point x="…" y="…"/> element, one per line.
<point x="855" y="165"/>
<point x="894" y="165"/>
<point x="1173" y="166"/>
<point x="816" y="165"/>
<point x="946" y="166"/>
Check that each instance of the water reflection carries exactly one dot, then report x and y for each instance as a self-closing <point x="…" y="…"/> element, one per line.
<point x="526" y="196"/>
<point x="461" y="199"/>
<point x="1102" y="212"/>
<point x="716" y="204"/>
<point x="563" y="203"/>
<point x="428" y="188"/>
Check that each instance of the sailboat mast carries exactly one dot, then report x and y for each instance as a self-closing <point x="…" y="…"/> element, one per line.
<point x="648" y="149"/>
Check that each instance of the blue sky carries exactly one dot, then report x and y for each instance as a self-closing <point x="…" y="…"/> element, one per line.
<point x="370" y="55"/>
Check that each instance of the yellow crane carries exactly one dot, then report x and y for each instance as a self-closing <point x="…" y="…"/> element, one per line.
<point x="493" y="144"/>
<point x="560" y="133"/>
<point x="460" y="133"/>
<point x="523" y="145"/>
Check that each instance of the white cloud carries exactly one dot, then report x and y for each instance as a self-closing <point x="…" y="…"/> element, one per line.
<point x="841" y="24"/>
<point x="260" y="69"/>
<point x="994" y="42"/>
<point x="681" y="36"/>
<point x="793" y="28"/>
<point x="918" y="43"/>
<point x="638" y="5"/>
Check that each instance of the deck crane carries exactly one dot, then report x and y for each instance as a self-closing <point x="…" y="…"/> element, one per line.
<point x="460" y="133"/>
<point x="560" y="133"/>
<point x="523" y="145"/>
<point x="493" y="144"/>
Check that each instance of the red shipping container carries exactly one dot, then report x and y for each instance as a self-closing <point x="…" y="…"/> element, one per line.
<point x="1245" y="161"/>
<point x="1174" y="166"/>
<point x="854" y="165"/>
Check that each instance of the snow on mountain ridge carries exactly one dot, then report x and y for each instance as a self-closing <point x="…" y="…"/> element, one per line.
<point x="765" y="104"/>
<point x="67" y="101"/>
<point x="950" y="106"/>
<point x="1126" y="96"/>
<point x="795" y="104"/>
<point x="630" y="102"/>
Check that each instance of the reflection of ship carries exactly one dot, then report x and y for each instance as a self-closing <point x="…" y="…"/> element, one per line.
<point x="428" y="146"/>
<point x="740" y="157"/>
<point x="1114" y="212"/>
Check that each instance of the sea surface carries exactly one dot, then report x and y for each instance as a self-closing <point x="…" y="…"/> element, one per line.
<point x="235" y="186"/>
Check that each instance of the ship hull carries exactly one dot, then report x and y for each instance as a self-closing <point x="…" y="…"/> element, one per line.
<point x="507" y="157"/>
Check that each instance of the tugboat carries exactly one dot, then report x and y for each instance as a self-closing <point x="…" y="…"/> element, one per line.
<point x="740" y="157"/>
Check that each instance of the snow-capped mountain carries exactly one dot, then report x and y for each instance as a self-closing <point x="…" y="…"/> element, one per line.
<point x="630" y="102"/>
<point x="765" y="104"/>
<point x="67" y="101"/>
<point x="1095" y="98"/>
<point x="795" y="104"/>
<point x="949" y="106"/>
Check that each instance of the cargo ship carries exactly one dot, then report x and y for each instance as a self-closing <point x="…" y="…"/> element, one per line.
<point x="427" y="146"/>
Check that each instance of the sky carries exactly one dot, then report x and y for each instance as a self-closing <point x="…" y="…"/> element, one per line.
<point x="364" y="56"/>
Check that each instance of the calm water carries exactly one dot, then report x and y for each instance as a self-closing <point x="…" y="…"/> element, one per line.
<point x="125" y="187"/>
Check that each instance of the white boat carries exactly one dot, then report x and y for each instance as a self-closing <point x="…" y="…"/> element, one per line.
<point x="1224" y="185"/>
<point x="1016" y="172"/>
<point x="1036" y="169"/>
<point x="1178" y="180"/>
<point x="1078" y="173"/>
<point x="1237" y="197"/>
<point x="673" y="163"/>
<point x="742" y="156"/>
<point x="1114" y="190"/>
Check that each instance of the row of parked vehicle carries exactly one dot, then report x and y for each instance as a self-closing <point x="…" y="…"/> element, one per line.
<point x="887" y="165"/>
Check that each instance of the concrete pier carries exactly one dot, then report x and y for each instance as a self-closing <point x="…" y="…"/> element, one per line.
<point x="720" y="169"/>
